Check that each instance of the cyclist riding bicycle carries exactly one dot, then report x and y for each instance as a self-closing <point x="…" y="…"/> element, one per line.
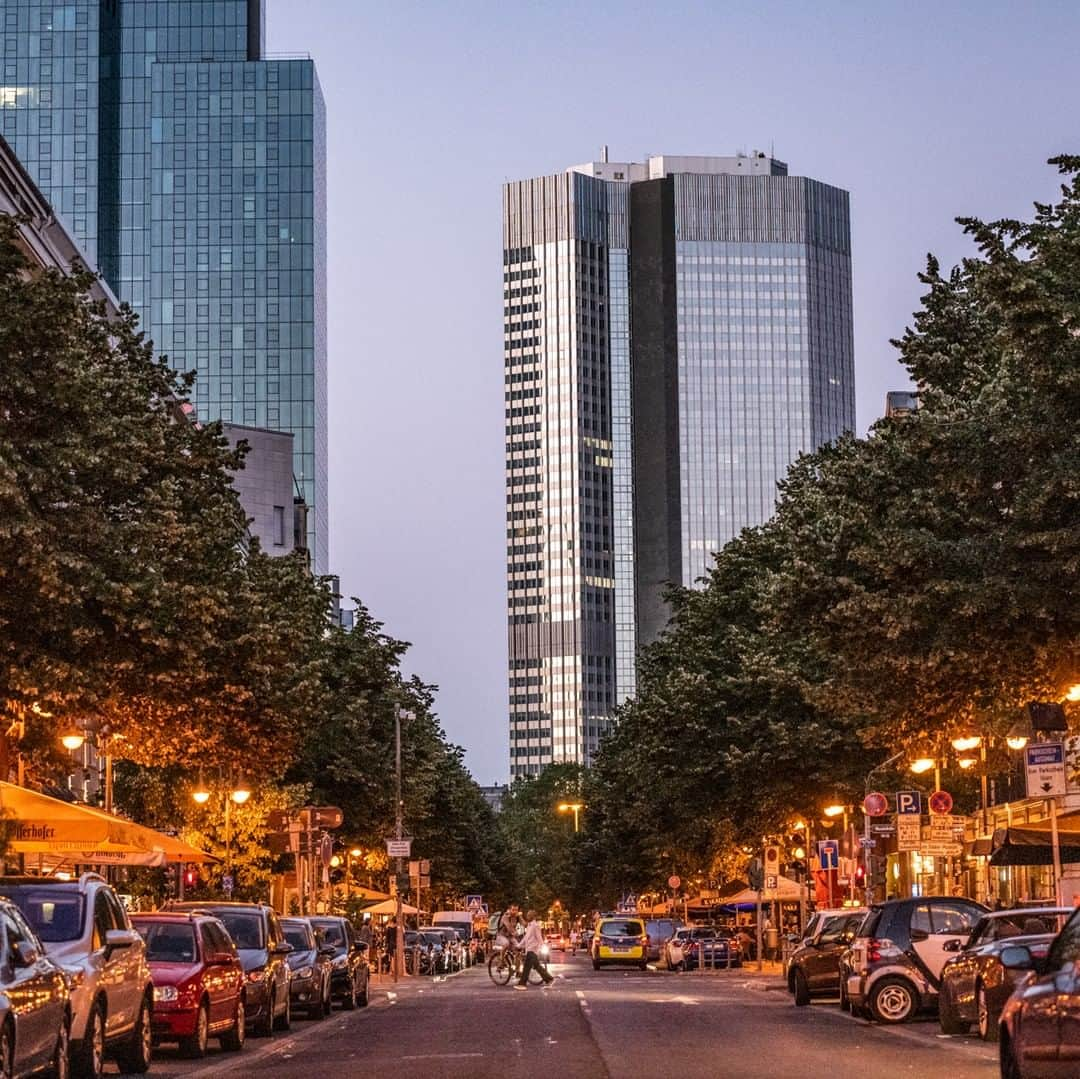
<point x="506" y="935"/>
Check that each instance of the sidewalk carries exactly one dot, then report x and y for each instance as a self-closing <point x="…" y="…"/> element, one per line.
<point x="769" y="979"/>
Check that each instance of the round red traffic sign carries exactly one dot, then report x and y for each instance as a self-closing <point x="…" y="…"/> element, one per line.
<point x="674" y="881"/>
<point x="875" y="804"/>
<point x="940" y="802"/>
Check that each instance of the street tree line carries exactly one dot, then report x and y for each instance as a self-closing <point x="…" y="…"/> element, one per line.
<point x="132" y="600"/>
<point x="910" y="583"/>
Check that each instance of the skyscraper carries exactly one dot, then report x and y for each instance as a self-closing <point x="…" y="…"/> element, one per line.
<point x="675" y="334"/>
<point x="192" y="171"/>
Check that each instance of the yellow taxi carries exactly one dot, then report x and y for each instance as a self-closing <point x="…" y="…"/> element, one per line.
<point x="620" y="940"/>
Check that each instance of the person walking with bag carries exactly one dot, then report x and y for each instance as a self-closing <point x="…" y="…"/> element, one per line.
<point x="531" y="944"/>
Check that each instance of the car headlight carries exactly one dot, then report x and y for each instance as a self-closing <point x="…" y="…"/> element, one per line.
<point x="165" y="994"/>
<point x="303" y="972"/>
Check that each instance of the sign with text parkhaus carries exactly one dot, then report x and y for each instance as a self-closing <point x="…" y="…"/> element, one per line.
<point x="1044" y="766"/>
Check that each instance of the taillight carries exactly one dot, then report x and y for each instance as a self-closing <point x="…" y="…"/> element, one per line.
<point x="878" y="948"/>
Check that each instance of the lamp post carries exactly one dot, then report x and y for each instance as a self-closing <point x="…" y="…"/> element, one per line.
<point x="400" y="714"/>
<point x="833" y="811"/>
<point x="575" y="808"/>
<point x="350" y="857"/>
<point x="240" y="793"/>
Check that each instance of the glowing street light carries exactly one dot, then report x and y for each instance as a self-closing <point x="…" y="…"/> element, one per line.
<point x="833" y="811"/>
<point x="964" y="742"/>
<point x="575" y="808"/>
<point x="73" y="740"/>
<point x="922" y="764"/>
<point x="1073" y="692"/>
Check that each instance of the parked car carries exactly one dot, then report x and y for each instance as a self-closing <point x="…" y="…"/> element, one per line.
<point x="620" y="940"/>
<point x="310" y="967"/>
<point x="462" y="921"/>
<point x="660" y="931"/>
<point x="712" y="947"/>
<point x="35" y="1005"/>
<point x="85" y="929"/>
<point x="349" y="965"/>
<point x="974" y="984"/>
<point x="261" y="945"/>
<point x="814" y="965"/>
<point x="1039" y="1031"/>
<point x="894" y="967"/>
<point x="198" y="981"/>
<point x="449" y="947"/>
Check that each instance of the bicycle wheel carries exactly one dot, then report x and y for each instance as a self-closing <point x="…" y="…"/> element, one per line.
<point x="500" y="968"/>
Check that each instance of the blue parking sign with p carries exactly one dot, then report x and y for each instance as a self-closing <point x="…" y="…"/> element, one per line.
<point x="908" y="802"/>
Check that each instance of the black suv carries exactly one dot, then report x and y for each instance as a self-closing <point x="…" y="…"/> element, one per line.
<point x="259" y="939"/>
<point x="814" y="965"/>
<point x="350" y="973"/>
<point x="896" y="957"/>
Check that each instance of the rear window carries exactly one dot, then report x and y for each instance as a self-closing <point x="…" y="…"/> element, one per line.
<point x="332" y="933"/>
<point x="246" y="930"/>
<point x="870" y="924"/>
<point x="621" y="929"/>
<point x="55" y="913"/>
<point x="168" y="942"/>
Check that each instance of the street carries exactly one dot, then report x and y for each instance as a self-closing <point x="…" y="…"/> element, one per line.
<point x="590" y="1024"/>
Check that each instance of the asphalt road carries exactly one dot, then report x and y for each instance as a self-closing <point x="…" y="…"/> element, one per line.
<point x="607" y="1024"/>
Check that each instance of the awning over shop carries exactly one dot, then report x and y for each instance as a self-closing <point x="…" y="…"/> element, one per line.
<point x="81" y="834"/>
<point x="787" y="891"/>
<point x="1030" y="844"/>
<point x="389" y="906"/>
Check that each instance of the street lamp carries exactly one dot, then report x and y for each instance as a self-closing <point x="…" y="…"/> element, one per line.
<point x="922" y="764"/>
<point x="73" y="740"/>
<point x="240" y="793"/>
<point x="575" y="808"/>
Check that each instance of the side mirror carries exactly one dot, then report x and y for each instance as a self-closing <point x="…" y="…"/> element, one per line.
<point x="24" y="954"/>
<point x="919" y="934"/>
<point x="1017" y="957"/>
<point x="283" y="948"/>
<point x="953" y="946"/>
<point x="119" y="938"/>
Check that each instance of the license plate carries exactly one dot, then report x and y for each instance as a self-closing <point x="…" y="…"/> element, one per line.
<point x="621" y="948"/>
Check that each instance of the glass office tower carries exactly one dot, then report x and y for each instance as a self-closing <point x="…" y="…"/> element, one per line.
<point x="193" y="172"/>
<point x="675" y="333"/>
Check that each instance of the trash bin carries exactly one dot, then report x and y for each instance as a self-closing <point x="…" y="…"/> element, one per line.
<point x="772" y="942"/>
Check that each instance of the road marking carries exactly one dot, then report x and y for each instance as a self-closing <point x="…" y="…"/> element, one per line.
<point x="441" y="1056"/>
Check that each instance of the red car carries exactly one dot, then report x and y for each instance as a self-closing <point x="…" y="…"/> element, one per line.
<point x="198" y="981"/>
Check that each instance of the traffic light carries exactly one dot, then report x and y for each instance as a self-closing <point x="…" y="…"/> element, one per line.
<point x="860" y="876"/>
<point x="191" y="877"/>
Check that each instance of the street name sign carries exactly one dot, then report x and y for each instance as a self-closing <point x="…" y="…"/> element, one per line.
<point x="1044" y="764"/>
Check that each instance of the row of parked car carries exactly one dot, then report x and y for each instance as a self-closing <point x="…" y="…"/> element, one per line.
<point x="1013" y="975"/>
<point x="81" y="981"/>
<point x="438" y="949"/>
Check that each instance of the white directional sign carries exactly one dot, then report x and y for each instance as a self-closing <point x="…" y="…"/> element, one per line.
<point x="398" y="848"/>
<point x="1044" y="763"/>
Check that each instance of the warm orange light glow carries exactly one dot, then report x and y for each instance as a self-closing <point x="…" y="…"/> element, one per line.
<point x="965" y="742"/>
<point x="356" y="852"/>
<point x="335" y="861"/>
<point x="833" y="811"/>
<point x="1073" y="692"/>
<point x="73" y="740"/>
<point x="922" y="764"/>
<point x="1016" y="742"/>
<point x="967" y="762"/>
<point x="201" y="796"/>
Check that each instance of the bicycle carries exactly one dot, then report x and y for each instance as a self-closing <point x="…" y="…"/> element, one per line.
<point x="505" y="966"/>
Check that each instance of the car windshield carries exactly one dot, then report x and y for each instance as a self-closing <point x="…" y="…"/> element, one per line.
<point x="433" y="938"/>
<point x="168" y="942"/>
<point x="621" y="929"/>
<point x="56" y="915"/>
<point x="245" y="929"/>
<point x="299" y="936"/>
<point x="332" y="933"/>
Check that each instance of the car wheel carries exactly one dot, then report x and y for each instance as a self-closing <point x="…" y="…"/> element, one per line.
<point x="137" y="1050"/>
<point x="845" y="1004"/>
<point x="948" y="1020"/>
<point x="894" y="1000"/>
<point x="988" y="1027"/>
<point x="233" y="1041"/>
<point x="348" y="1001"/>
<point x="802" y="989"/>
<point x="1010" y="1066"/>
<point x="60" y="1065"/>
<point x="194" y="1046"/>
<point x="265" y="1026"/>
<point x="88" y="1060"/>
<point x="284" y="1021"/>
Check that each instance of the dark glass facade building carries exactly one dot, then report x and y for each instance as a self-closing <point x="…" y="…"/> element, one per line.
<point x="192" y="171"/>
<point x="676" y="333"/>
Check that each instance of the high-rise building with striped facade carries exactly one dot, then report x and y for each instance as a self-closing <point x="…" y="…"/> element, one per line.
<point x="675" y="333"/>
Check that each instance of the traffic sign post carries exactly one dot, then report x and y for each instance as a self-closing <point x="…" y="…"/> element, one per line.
<point x="940" y="803"/>
<point x="908" y="820"/>
<point x="875" y="804"/>
<point x="1044" y="767"/>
